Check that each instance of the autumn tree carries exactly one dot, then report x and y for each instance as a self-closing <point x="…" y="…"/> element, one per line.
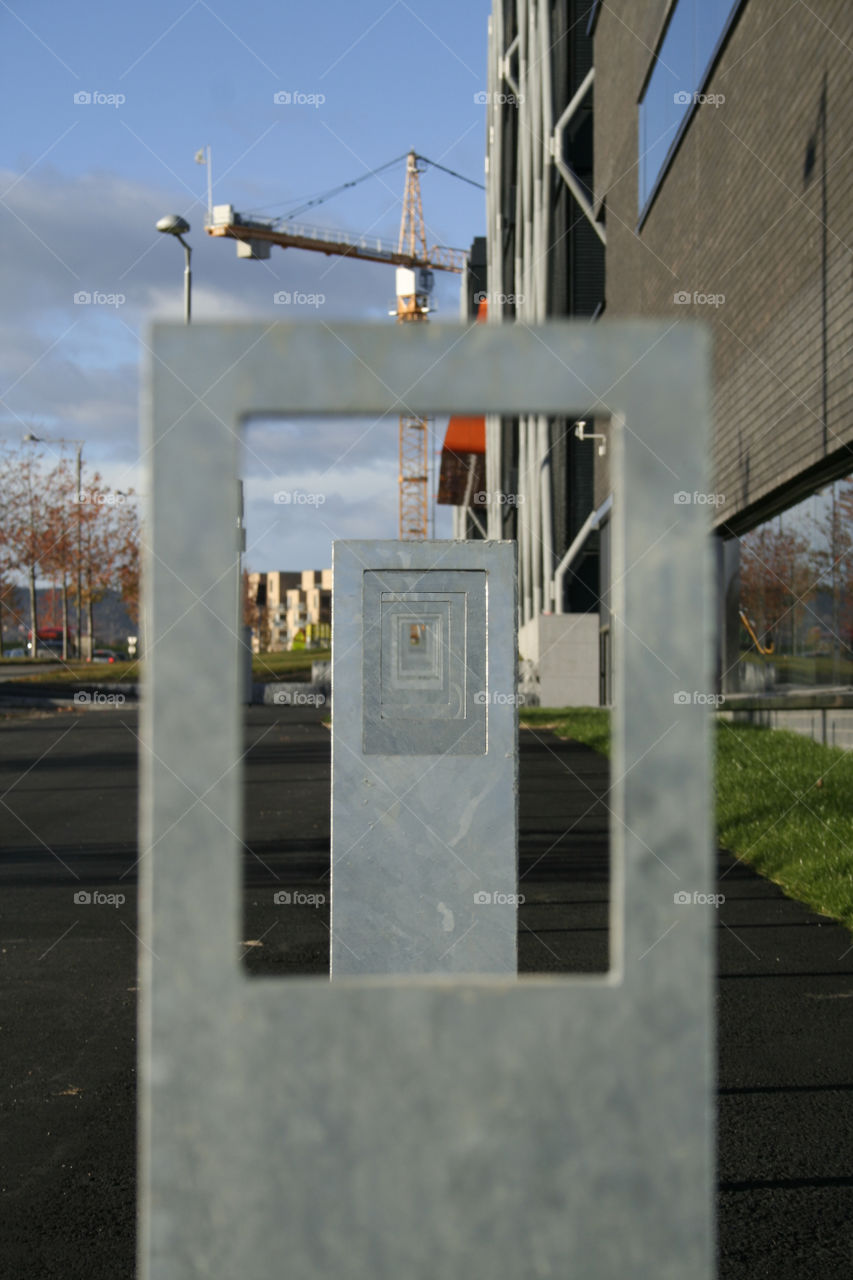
<point x="8" y="557"/>
<point x="832" y="560"/>
<point x="99" y="550"/>
<point x="126" y="530"/>
<point x="59" y="557"/>
<point x="26" y="527"/>
<point x="775" y="582"/>
<point x="255" y="612"/>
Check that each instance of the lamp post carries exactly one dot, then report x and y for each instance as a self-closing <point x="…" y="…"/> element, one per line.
<point x="174" y="225"/>
<point x="29" y="438"/>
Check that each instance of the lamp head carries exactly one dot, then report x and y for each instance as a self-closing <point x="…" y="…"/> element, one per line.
<point x="173" y="224"/>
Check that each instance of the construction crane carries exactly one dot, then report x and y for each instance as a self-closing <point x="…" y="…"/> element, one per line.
<point x="415" y="264"/>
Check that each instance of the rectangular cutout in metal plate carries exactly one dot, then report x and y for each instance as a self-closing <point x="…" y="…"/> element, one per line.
<point x="374" y="1128"/>
<point x="424" y="664"/>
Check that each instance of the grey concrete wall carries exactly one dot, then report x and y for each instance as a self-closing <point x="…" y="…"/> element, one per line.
<point x="564" y="649"/>
<point x="568" y="660"/>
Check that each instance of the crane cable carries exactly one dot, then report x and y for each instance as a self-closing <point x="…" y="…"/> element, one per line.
<point x="461" y="176"/>
<point x="333" y="191"/>
<point x="323" y="196"/>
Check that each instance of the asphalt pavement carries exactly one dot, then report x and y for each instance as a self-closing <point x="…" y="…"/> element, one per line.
<point x="69" y="794"/>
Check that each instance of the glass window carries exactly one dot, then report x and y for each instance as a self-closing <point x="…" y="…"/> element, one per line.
<point x="795" y="610"/>
<point x="681" y="67"/>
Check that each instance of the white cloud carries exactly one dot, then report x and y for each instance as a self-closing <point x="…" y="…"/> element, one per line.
<point x="71" y="369"/>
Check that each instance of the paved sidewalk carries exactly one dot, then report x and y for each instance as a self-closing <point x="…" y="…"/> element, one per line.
<point x="68" y="1014"/>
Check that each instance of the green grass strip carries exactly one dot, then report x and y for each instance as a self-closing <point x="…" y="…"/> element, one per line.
<point x="283" y="666"/>
<point x="784" y="803"/>
<point x="74" y="673"/>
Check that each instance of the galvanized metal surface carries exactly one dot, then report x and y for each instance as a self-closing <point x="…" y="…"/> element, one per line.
<point x="426" y="1127"/>
<point x="424" y="758"/>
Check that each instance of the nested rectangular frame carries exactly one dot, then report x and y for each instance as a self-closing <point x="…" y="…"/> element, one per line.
<point x="387" y="1126"/>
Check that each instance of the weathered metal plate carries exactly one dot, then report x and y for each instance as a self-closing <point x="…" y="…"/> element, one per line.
<point x="426" y="1127"/>
<point x="424" y="758"/>
<point x="424" y="646"/>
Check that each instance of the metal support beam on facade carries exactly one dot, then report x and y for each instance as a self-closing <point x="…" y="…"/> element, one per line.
<point x="529" y="141"/>
<point x="565" y="170"/>
<point x="592" y="521"/>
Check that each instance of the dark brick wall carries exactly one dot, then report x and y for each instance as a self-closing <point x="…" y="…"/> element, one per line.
<point x="741" y="212"/>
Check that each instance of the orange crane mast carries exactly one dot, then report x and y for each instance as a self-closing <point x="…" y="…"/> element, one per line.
<point x="415" y="264"/>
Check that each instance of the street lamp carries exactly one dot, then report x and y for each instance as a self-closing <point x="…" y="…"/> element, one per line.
<point x="29" y="438"/>
<point x="174" y="225"/>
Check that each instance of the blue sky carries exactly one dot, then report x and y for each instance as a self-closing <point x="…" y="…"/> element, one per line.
<point x="82" y="183"/>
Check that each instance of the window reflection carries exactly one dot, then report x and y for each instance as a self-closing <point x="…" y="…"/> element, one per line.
<point x="681" y="68"/>
<point x="796" y="596"/>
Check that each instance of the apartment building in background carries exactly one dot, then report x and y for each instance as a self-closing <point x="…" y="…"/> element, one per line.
<point x="290" y="610"/>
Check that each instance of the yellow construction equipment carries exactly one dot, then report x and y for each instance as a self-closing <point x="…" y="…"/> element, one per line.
<point x="763" y="649"/>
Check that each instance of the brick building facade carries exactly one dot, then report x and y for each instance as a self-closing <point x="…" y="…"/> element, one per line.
<point x="739" y="213"/>
<point x="685" y="160"/>
<point x="754" y="211"/>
